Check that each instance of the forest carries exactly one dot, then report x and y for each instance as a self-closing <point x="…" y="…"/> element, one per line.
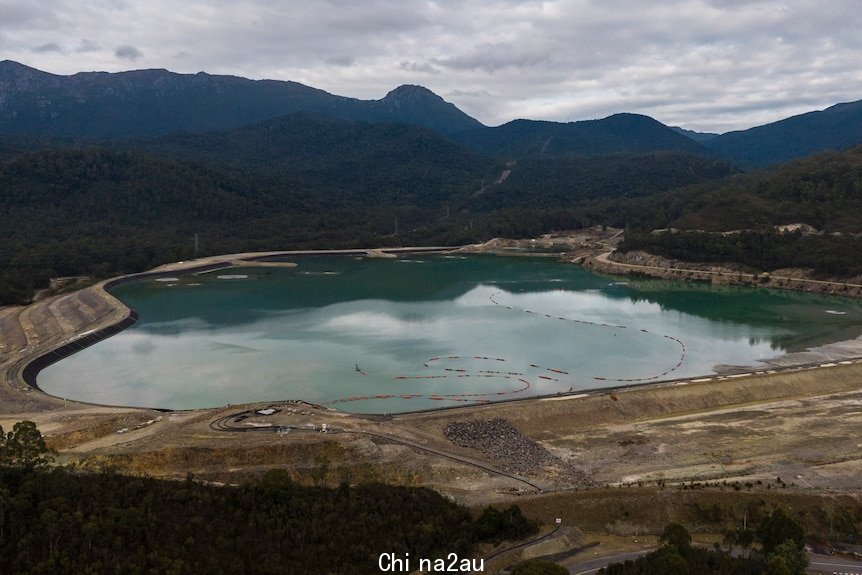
<point x="826" y="255"/>
<point x="57" y="521"/>
<point x="101" y="208"/>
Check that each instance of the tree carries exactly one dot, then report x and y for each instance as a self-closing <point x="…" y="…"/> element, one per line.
<point x="5" y="496"/>
<point x="730" y="539"/>
<point x="669" y="559"/>
<point x="677" y="535"/>
<point x="25" y="447"/>
<point x="777" y="566"/>
<point x="792" y="556"/>
<point x="746" y="538"/>
<point x="538" y="567"/>
<point x="777" y="528"/>
<point x="509" y="523"/>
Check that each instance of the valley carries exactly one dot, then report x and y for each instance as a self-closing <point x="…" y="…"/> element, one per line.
<point x="108" y="178"/>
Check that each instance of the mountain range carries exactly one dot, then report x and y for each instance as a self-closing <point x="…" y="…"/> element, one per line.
<point x="151" y="102"/>
<point x="835" y="128"/>
<point x="107" y="173"/>
<point x="147" y="103"/>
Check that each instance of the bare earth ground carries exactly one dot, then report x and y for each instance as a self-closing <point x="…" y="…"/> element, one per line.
<point x="573" y="452"/>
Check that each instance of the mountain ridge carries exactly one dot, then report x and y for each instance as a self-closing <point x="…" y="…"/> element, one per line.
<point x="623" y="132"/>
<point x="834" y="128"/>
<point x="155" y="101"/>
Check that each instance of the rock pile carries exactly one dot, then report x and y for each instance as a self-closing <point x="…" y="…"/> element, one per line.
<point x="510" y="449"/>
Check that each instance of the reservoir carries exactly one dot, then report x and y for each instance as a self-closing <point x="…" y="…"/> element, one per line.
<point x="429" y="331"/>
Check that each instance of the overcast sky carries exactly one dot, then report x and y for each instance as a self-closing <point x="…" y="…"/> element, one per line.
<point x="707" y="65"/>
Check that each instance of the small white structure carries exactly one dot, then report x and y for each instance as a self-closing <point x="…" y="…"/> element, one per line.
<point x="267" y="411"/>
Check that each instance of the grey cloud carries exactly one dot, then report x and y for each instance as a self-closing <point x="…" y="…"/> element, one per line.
<point x="16" y="14"/>
<point x="88" y="46"/>
<point x="375" y="16"/>
<point x="495" y="57"/>
<point x="419" y="67"/>
<point x="705" y="64"/>
<point x="344" y="61"/>
<point x="49" y="47"/>
<point x="127" y="52"/>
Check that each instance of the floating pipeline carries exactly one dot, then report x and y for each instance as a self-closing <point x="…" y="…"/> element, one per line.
<point x="462" y="373"/>
<point x="606" y="325"/>
<point x="479" y="397"/>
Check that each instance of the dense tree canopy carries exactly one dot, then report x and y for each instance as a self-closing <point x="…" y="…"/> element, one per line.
<point x="766" y="250"/>
<point x="97" y="208"/>
<point x="59" y="522"/>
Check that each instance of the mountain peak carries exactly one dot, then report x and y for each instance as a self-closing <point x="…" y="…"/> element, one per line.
<point x="411" y="92"/>
<point x="406" y="88"/>
<point x="412" y="104"/>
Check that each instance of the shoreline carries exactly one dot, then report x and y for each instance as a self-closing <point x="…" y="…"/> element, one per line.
<point x="714" y="274"/>
<point x="39" y="346"/>
<point x="25" y="369"/>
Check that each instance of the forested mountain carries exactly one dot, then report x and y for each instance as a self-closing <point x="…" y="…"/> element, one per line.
<point x="696" y="136"/>
<point x="72" y="203"/>
<point x="617" y="133"/>
<point x="299" y="181"/>
<point x="834" y="128"/>
<point x="332" y="162"/>
<point x="824" y="191"/>
<point x="155" y="102"/>
<point x="151" y="102"/>
<point x="92" y="211"/>
<point x="567" y="182"/>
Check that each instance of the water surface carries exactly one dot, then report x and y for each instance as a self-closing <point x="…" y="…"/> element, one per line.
<point x="371" y="335"/>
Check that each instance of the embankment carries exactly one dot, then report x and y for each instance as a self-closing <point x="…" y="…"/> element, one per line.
<point x="642" y="263"/>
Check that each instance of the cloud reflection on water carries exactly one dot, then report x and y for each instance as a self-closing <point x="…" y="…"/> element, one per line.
<point x="310" y="352"/>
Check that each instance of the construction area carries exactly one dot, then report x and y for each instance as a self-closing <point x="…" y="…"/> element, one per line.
<point x="660" y="451"/>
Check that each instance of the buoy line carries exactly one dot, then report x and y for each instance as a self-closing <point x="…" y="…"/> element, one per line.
<point x="454" y="373"/>
<point x="521" y="383"/>
<point x="608" y="325"/>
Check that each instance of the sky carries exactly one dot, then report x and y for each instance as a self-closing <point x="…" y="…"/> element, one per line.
<point x="705" y="65"/>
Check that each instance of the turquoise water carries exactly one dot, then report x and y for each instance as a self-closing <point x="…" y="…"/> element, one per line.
<point x="428" y="331"/>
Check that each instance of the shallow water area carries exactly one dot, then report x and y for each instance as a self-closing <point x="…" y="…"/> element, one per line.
<point x="381" y="335"/>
